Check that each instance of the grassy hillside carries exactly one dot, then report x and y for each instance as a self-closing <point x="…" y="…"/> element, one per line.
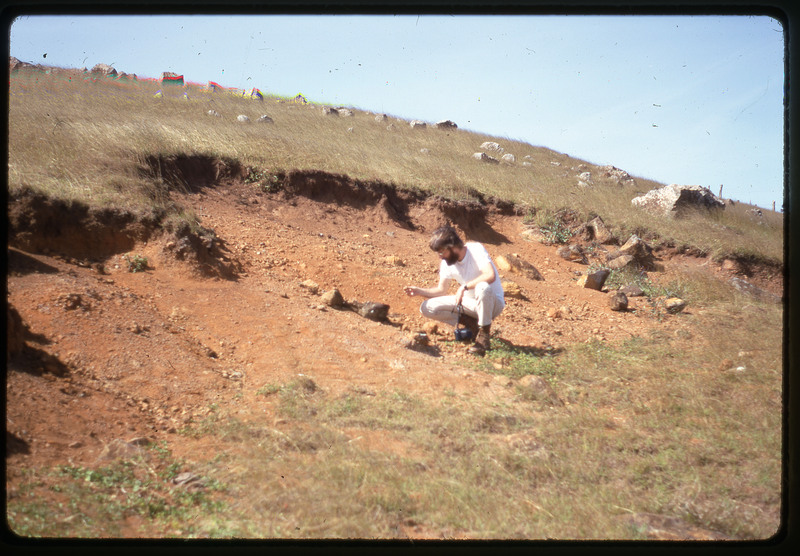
<point x="85" y="139"/>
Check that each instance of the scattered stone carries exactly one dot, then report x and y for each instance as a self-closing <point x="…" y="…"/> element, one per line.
<point x="619" y="302"/>
<point x="214" y="113"/>
<point x="76" y="444"/>
<point x="310" y="285"/>
<point x="333" y="298"/>
<point x="425" y="151"/>
<point x="371" y="310"/>
<point x="635" y="247"/>
<point x="674" y="305"/>
<point x="674" y="200"/>
<point x="72" y="301"/>
<point x="594" y="280"/>
<point x="632" y="290"/>
<point x="491" y="146"/>
<point x="508" y="158"/>
<point x="585" y="179"/>
<point x="512" y="289"/>
<point x="534" y="233"/>
<point x="418" y="124"/>
<point x="599" y="231"/>
<point x="554" y="313"/>
<point x="503" y="380"/>
<point x="104" y="69"/>
<point x="242" y="118"/>
<point x="394" y="260"/>
<point x="381" y="118"/>
<point x="572" y="253"/>
<point x="186" y="479"/>
<point x="620" y="261"/>
<point x="430" y="328"/>
<point x="329" y="111"/>
<point x="445" y="124"/>
<point x="264" y="119"/>
<point x="483" y="157"/>
<point x="516" y="265"/>
<point x="345" y="112"/>
<point x="620" y="176"/>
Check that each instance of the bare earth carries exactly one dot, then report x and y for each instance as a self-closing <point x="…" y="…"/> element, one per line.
<point x="118" y="355"/>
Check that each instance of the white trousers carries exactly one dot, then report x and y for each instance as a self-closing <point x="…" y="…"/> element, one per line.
<point x="479" y="302"/>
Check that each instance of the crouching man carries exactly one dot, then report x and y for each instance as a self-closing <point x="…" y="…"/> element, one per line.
<point x="480" y="293"/>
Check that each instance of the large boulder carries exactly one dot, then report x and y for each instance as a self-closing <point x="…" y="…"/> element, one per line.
<point x="673" y="200"/>
<point x="515" y="265"/>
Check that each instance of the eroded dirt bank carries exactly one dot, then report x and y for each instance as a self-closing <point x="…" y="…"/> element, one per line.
<point x="100" y="353"/>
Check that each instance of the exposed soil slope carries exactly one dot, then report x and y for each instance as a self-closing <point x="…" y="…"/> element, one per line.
<point x="111" y="354"/>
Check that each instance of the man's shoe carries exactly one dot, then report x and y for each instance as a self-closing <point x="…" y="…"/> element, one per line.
<point x="481" y="341"/>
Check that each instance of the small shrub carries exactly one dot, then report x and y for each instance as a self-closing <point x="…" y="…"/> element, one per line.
<point x="136" y="263"/>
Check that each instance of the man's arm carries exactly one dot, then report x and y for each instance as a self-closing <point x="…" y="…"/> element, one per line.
<point x="441" y="288"/>
<point x="487" y="275"/>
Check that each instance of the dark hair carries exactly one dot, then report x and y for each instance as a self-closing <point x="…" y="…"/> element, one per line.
<point x="444" y="237"/>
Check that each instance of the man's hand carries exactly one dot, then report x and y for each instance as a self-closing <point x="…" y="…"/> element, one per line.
<point x="460" y="293"/>
<point x="411" y="291"/>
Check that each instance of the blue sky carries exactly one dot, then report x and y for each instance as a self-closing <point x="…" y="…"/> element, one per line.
<point x="677" y="99"/>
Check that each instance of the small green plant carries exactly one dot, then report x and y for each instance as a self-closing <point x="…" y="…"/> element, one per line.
<point x="263" y="180"/>
<point x="136" y="263"/>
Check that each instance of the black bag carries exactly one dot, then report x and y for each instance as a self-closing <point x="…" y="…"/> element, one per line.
<point x="461" y="334"/>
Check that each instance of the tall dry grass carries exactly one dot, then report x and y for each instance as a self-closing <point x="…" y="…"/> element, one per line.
<point x="81" y="139"/>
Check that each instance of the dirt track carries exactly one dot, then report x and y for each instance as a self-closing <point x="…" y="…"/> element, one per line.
<point x="119" y="355"/>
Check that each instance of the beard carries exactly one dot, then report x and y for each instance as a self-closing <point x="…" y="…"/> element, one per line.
<point x="452" y="258"/>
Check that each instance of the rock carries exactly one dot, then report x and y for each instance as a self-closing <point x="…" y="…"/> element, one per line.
<point x="345" y="112"/>
<point x="749" y="289"/>
<point x="594" y="280"/>
<point x="371" y="310"/>
<point x="535" y="234"/>
<point x="328" y="111"/>
<point x="508" y="158"/>
<point x="585" y="179"/>
<point x="674" y="200"/>
<point x="104" y="69"/>
<point x="418" y="124"/>
<point x="381" y="118"/>
<point x="394" y="260"/>
<point x="512" y="289"/>
<point x="635" y="247"/>
<point x="632" y="290"/>
<point x="445" y="124"/>
<point x="310" y="285"/>
<point x="572" y="253"/>
<point x="483" y="157"/>
<point x="425" y="151"/>
<point x="491" y="146"/>
<point x="213" y="113"/>
<point x="333" y="298"/>
<point x="730" y="265"/>
<point x="599" y="232"/>
<point x="430" y="328"/>
<point x="554" y="313"/>
<point x="620" y="176"/>
<point x="264" y="119"/>
<point x="514" y="264"/>
<point x="620" y="262"/>
<point x="674" y="305"/>
<point x="242" y="118"/>
<point x="619" y="302"/>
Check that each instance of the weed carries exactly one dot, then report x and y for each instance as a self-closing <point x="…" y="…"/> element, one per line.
<point x="136" y="263"/>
